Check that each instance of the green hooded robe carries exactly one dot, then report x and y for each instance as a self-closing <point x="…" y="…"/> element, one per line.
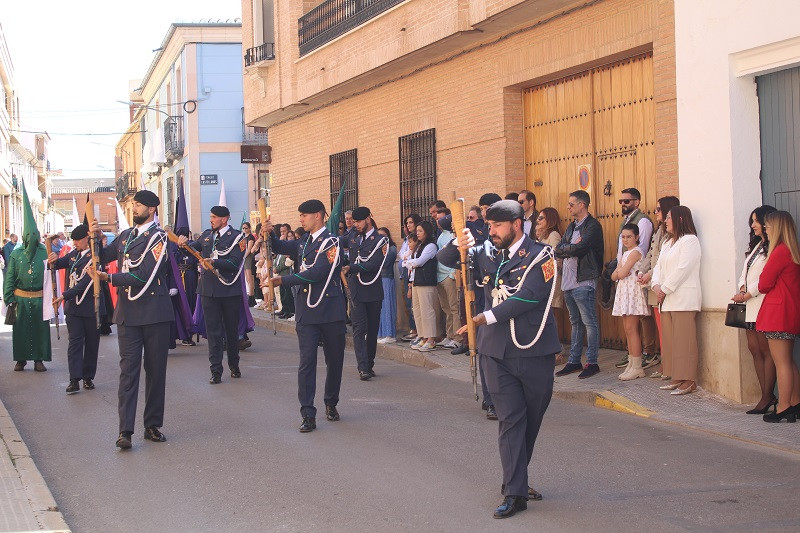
<point x="31" y="334"/>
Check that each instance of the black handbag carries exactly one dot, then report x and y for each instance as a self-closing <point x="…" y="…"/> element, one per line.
<point x="735" y="316"/>
<point x="11" y="314"/>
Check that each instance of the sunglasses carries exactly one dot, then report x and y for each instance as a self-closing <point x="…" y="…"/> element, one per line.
<point x="625" y="201"/>
<point x="472" y="217"/>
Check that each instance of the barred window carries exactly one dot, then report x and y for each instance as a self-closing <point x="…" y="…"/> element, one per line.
<point x="344" y="168"/>
<point x="417" y="172"/>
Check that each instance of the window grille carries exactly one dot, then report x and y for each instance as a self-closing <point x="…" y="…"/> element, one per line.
<point x="417" y="173"/>
<point x="344" y="168"/>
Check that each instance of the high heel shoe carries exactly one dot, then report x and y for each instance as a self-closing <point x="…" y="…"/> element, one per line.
<point x="789" y="414"/>
<point x="670" y="386"/>
<point x="687" y="390"/>
<point x="765" y="409"/>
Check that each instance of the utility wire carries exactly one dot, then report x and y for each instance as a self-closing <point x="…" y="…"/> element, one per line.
<point x="89" y="134"/>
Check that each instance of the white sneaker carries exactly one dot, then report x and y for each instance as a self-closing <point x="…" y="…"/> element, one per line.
<point x="427" y="347"/>
<point x="416" y="343"/>
<point x="389" y="340"/>
<point x="382" y="340"/>
<point x="443" y="342"/>
<point x="451" y="344"/>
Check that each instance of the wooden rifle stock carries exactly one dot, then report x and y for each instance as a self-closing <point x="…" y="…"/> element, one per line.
<point x="459" y="223"/>
<point x="205" y="263"/>
<point x="49" y="243"/>
<point x="262" y="211"/>
<point x="93" y="239"/>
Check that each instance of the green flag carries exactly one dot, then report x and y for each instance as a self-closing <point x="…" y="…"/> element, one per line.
<point x="336" y="212"/>
<point x="30" y="232"/>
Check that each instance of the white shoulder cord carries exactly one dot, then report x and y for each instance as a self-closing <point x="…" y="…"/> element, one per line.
<point x="226" y="252"/>
<point x="161" y="236"/>
<point x="75" y="279"/>
<point x="321" y="249"/>
<point x="381" y="242"/>
<point x="504" y="291"/>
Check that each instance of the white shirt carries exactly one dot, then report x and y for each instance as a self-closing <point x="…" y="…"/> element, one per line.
<point x="144" y="227"/>
<point x="490" y="319"/>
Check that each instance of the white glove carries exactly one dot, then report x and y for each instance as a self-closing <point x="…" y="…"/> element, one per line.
<point x="289" y="263"/>
<point x="173" y="292"/>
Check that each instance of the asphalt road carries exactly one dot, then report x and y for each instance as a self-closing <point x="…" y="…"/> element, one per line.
<point x="412" y="452"/>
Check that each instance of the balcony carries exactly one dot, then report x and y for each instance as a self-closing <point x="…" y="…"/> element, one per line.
<point x="173" y="138"/>
<point x="256" y="136"/>
<point x="333" y="18"/>
<point x="123" y="186"/>
<point x="257" y="54"/>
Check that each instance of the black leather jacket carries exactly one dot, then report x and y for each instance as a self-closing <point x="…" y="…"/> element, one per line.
<point x="589" y="251"/>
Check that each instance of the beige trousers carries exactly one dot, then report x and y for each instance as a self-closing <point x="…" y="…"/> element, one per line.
<point x="448" y="302"/>
<point x="423" y="302"/>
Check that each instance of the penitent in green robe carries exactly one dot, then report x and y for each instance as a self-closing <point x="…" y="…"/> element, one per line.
<point x="31" y="336"/>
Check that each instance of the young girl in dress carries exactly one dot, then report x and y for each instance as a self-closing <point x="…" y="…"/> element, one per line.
<point x="630" y="302"/>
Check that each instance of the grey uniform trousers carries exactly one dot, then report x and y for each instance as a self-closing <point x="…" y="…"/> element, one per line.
<point x="521" y="388"/>
<point x="151" y="343"/>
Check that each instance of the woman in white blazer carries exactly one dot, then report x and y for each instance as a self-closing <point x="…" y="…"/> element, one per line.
<point x="749" y="295"/>
<point x="676" y="282"/>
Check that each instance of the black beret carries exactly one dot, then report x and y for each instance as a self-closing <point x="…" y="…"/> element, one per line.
<point x="505" y="211"/>
<point x="80" y="231"/>
<point x="220" y="211"/>
<point x="446" y="222"/>
<point x="147" y="198"/>
<point x="311" y="206"/>
<point x="489" y="198"/>
<point x="361" y="213"/>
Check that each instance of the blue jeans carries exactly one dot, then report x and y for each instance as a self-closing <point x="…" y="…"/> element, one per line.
<point x="582" y="305"/>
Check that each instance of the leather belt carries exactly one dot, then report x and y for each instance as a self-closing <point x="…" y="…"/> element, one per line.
<point x="27" y="294"/>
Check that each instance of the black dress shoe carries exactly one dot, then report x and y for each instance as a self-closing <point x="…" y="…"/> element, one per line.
<point x="88" y="384"/>
<point x="20" y="366"/>
<point x="364" y="375"/>
<point x="124" y="440"/>
<point x="491" y="414"/>
<point x="235" y="372"/>
<point x="188" y="342"/>
<point x="533" y="494"/>
<point x="73" y="387"/>
<point x="153" y="434"/>
<point x="460" y="350"/>
<point x="39" y="366"/>
<point x="371" y="373"/>
<point x="216" y="378"/>
<point x="484" y="406"/>
<point x="245" y="344"/>
<point x="510" y="505"/>
<point x="331" y="413"/>
<point x="309" y="424"/>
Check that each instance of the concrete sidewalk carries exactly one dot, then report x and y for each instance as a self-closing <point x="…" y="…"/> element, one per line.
<point x="701" y="411"/>
<point x="26" y="503"/>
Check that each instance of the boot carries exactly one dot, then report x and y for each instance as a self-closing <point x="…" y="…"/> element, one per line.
<point x="627" y="367"/>
<point x="634" y="371"/>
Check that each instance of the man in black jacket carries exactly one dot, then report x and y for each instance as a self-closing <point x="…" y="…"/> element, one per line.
<point x="582" y="251"/>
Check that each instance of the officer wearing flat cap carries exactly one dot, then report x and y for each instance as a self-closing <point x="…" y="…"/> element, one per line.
<point x="78" y="298"/>
<point x="517" y="339"/>
<point x="367" y="255"/>
<point x="320" y="308"/>
<point x="143" y="316"/>
<point x="221" y="290"/>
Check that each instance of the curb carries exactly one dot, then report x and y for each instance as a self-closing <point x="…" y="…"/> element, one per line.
<point x="41" y="500"/>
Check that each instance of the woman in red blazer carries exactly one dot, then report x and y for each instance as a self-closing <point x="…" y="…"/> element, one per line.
<point x="779" y="317"/>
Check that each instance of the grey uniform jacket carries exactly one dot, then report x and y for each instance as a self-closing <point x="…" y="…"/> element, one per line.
<point x="228" y="265"/>
<point x="154" y="306"/>
<point x="526" y="306"/>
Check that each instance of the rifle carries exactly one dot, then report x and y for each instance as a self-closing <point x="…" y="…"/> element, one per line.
<point x="49" y="244"/>
<point x="459" y="222"/>
<point x="205" y="263"/>
<point x="93" y="239"/>
<point x="262" y="210"/>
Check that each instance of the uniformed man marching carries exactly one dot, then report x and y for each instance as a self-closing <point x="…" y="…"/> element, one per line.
<point x="78" y="298"/>
<point x="367" y="254"/>
<point x="221" y="290"/>
<point x="517" y="339"/>
<point x="143" y="316"/>
<point x="320" y="308"/>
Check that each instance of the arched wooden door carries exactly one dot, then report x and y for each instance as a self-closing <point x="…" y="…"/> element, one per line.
<point x="600" y="121"/>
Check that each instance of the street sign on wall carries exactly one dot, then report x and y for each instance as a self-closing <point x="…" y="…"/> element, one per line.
<point x="256" y="153"/>
<point x="208" y="179"/>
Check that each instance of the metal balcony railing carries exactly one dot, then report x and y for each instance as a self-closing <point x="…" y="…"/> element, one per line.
<point x="333" y="18"/>
<point x="252" y="136"/>
<point x="259" y="53"/>
<point x="123" y="186"/>
<point x="173" y="137"/>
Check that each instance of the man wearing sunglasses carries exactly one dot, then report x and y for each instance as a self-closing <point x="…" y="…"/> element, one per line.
<point x="629" y="201"/>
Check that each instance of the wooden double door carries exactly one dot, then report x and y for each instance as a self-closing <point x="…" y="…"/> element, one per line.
<point x="595" y="131"/>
